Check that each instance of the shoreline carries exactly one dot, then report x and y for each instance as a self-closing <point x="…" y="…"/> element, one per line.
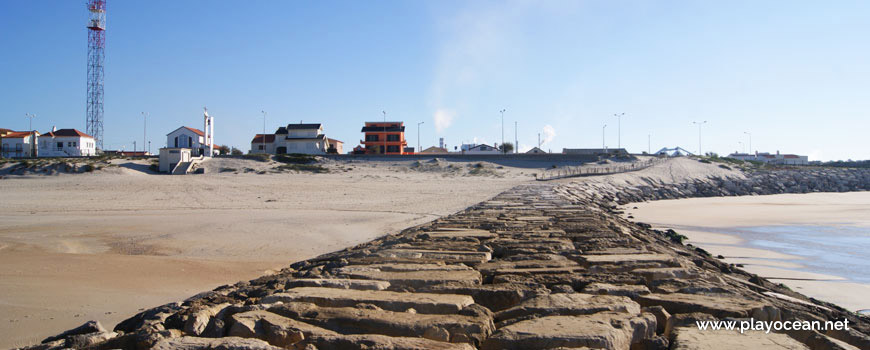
<point x="719" y="225"/>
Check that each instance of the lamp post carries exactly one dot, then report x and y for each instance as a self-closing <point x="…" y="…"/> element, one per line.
<point x="418" y="136"/>
<point x="516" y="139"/>
<point x="145" y="132"/>
<point x="502" y="130"/>
<point x="603" y="144"/>
<point x="619" y="129"/>
<point x="699" y="135"/>
<point x="648" y="148"/>
<point x="264" y="130"/>
<point x="385" y="132"/>
<point x="32" y="133"/>
<point x="750" y="140"/>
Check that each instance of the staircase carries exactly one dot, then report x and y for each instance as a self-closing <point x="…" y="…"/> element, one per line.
<point x="182" y="168"/>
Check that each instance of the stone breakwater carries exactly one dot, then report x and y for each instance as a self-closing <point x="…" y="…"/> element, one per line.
<point x="753" y="183"/>
<point x="541" y="266"/>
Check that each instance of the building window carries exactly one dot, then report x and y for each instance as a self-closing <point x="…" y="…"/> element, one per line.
<point x="371" y="138"/>
<point x="189" y="141"/>
<point x="176" y="142"/>
<point x="59" y="145"/>
<point x="392" y="149"/>
<point x="393" y="137"/>
<point x="74" y="144"/>
<point x="260" y="147"/>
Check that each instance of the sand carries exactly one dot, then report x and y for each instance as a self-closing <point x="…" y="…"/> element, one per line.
<point x="703" y="220"/>
<point x="103" y="245"/>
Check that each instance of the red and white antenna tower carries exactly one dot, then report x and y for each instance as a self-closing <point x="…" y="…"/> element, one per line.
<point x="96" y="57"/>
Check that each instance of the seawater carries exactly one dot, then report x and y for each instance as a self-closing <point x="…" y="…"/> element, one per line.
<point x="842" y="251"/>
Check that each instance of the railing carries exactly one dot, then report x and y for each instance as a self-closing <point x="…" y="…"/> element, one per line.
<point x="586" y="170"/>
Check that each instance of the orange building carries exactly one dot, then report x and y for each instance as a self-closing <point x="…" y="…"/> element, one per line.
<point x="384" y="138"/>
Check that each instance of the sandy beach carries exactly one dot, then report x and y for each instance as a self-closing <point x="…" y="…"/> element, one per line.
<point x="103" y="245"/>
<point x="715" y="224"/>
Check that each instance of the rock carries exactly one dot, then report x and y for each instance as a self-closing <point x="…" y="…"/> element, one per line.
<point x="86" y="328"/>
<point x="341" y="283"/>
<point x="661" y="315"/>
<point x="606" y="330"/>
<point x="568" y="305"/>
<point x="496" y="296"/>
<point x="469" y="327"/>
<point x="628" y="290"/>
<point x="718" y="306"/>
<point x="381" y="342"/>
<point x="654" y="274"/>
<point x="199" y="319"/>
<point x="413" y="279"/>
<point x="227" y="343"/>
<point x="392" y="301"/>
<point x="444" y="255"/>
<point x="274" y="329"/>
<point x="80" y="341"/>
<point x="685" y="320"/>
<point x="618" y="259"/>
<point x="691" y="338"/>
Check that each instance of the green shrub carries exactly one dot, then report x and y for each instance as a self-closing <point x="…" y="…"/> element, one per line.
<point x="295" y="158"/>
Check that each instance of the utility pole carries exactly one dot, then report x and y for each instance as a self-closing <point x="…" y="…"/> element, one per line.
<point x="149" y="147"/>
<point x="699" y="136"/>
<point x="502" y="130"/>
<point x="144" y="130"/>
<point x="385" y="132"/>
<point x="539" y="140"/>
<point x="418" y="136"/>
<point x="603" y="144"/>
<point x="619" y="129"/>
<point x="750" y="140"/>
<point x="134" y="146"/>
<point x="648" y="148"/>
<point x="264" y="130"/>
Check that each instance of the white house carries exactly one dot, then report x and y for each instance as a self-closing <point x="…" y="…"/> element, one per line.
<point x="187" y="137"/>
<point x="66" y="143"/>
<point x="19" y="144"/>
<point x="482" y="149"/>
<point x="294" y="138"/>
<point x="536" y="150"/>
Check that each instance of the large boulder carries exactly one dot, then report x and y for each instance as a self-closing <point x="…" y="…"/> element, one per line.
<point x="605" y="330"/>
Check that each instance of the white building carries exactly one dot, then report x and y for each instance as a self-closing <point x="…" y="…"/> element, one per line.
<point x="536" y="150"/>
<point x="19" y="144"/>
<point x="294" y="138"/>
<point x="778" y="159"/>
<point x="66" y="143"/>
<point x="201" y="142"/>
<point x="482" y="149"/>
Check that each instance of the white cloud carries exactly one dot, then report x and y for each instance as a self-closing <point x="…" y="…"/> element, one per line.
<point x="548" y="134"/>
<point x="443" y="119"/>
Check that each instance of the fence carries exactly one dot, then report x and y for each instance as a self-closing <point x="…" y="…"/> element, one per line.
<point x="577" y="171"/>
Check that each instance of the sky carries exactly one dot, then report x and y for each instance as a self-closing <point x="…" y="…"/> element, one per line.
<point x="793" y="74"/>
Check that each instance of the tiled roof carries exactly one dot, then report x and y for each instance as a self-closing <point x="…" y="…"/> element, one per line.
<point x="67" y="133"/>
<point x="18" y="134"/>
<point x="259" y="138"/>
<point x="195" y="130"/>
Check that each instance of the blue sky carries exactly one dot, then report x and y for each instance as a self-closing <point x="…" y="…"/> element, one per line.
<point x="796" y="74"/>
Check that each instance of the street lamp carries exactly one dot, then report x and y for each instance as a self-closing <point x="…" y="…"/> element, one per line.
<point x="603" y="144"/>
<point x="648" y="148"/>
<point x="418" y="136"/>
<point x="264" y="130"/>
<point x="699" y="135"/>
<point x="502" y="130"/>
<point x="619" y="129"/>
<point x="145" y="132"/>
<point x="385" y="132"/>
<point x="750" y="140"/>
<point x="32" y="133"/>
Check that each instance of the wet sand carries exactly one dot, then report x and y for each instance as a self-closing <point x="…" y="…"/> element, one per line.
<point x="721" y="226"/>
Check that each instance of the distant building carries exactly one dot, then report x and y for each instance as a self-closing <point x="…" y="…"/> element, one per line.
<point x="434" y="150"/>
<point x="66" y="143"/>
<point x="482" y="149"/>
<point x="335" y="146"/>
<point x="384" y="138"/>
<point x="536" y="150"/>
<point x="187" y="137"/>
<point x="293" y="138"/>
<point x="606" y="152"/>
<point x="467" y="146"/>
<point x="18" y="144"/>
<point x="778" y="159"/>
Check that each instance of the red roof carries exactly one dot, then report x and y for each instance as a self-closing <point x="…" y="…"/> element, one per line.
<point x="2" y="130"/>
<point x="790" y="156"/>
<point x="67" y="132"/>
<point x="195" y="130"/>
<point x="19" y="134"/>
<point x="259" y="138"/>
